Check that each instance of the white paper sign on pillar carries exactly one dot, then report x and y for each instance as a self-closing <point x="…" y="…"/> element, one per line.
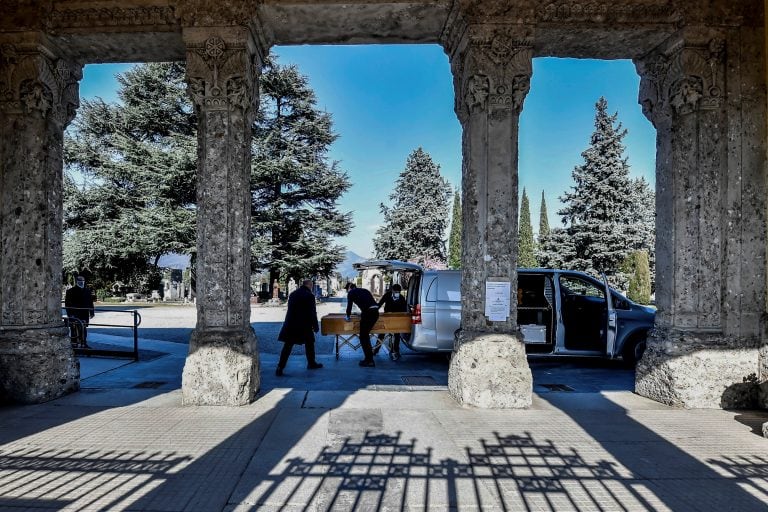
<point x="497" y="300"/>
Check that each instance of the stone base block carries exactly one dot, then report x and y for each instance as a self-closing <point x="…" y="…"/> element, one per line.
<point x="37" y="365"/>
<point x="699" y="371"/>
<point x="490" y="371"/>
<point x="222" y="368"/>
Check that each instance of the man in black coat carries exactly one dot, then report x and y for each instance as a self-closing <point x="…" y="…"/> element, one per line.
<point x="369" y="313"/>
<point x="393" y="302"/>
<point x="300" y="326"/>
<point x="79" y="304"/>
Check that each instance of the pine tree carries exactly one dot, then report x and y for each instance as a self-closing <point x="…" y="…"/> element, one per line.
<point x="543" y="218"/>
<point x="295" y="187"/>
<point x="130" y="177"/>
<point x="454" y="242"/>
<point x="640" y="282"/>
<point x="414" y="225"/>
<point x="599" y="230"/>
<point x="527" y="248"/>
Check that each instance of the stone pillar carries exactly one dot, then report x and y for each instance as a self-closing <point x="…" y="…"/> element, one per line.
<point x="38" y="98"/>
<point x="492" y="69"/>
<point x="705" y="95"/>
<point x="222" y="72"/>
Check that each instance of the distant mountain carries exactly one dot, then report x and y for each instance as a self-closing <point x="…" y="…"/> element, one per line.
<point x="175" y="260"/>
<point x="345" y="267"/>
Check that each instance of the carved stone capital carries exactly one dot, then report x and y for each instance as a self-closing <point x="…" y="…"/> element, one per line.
<point x="35" y="82"/>
<point x="222" y="74"/>
<point x="492" y="70"/>
<point x="682" y="80"/>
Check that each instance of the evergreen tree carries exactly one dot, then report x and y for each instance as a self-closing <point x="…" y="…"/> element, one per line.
<point x="599" y="230"/>
<point x="295" y="187"/>
<point x="527" y="248"/>
<point x="414" y="225"/>
<point x="640" y="282"/>
<point x="543" y="218"/>
<point x="129" y="189"/>
<point x="454" y="242"/>
<point x="644" y="218"/>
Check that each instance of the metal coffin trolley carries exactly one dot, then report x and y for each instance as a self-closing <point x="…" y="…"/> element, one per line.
<point x="346" y="332"/>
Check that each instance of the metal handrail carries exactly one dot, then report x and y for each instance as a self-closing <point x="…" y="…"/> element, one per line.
<point x="136" y="321"/>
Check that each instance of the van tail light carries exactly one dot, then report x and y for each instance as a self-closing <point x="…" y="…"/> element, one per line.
<point x="416" y="314"/>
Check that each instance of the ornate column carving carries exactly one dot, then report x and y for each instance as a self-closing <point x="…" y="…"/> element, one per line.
<point x="710" y="202"/>
<point x="682" y="93"/>
<point x="492" y="68"/>
<point x="38" y="99"/>
<point x="222" y="74"/>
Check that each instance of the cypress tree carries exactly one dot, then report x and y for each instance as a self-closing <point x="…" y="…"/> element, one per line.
<point x="454" y="242"/>
<point x="640" y="282"/>
<point x="644" y="217"/>
<point x="414" y="225"/>
<point x="526" y="248"/>
<point x="543" y="218"/>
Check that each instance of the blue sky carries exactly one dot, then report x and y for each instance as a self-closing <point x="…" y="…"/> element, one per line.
<point x="387" y="100"/>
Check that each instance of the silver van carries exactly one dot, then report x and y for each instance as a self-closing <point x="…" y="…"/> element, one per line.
<point x="561" y="312"/>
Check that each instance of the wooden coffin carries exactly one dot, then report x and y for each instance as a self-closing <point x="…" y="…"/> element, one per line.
<point x="388" y="323"/>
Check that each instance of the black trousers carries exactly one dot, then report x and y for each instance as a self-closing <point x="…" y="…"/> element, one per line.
<point x="395" y="341"/>
<point x="309" y="348"/>
<point x="368" y="318"/>
<point x="78" y="330"/>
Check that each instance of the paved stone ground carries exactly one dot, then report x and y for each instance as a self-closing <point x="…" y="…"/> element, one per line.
<point x="350" y="438"/>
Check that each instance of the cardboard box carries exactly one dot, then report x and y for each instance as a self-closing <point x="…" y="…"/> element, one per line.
<point x="334" y="323"/>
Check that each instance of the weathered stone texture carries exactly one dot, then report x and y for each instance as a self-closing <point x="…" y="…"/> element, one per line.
<point x="711" y="194"/>
<point x="38" y="98"/>
<point x="699" y="371"/>
<point x="222" y="368"/>
<point x="222" y="72"/>
<point x="492" y="70"/>
<point x="491" y="371"/>
<point x="36" y="365"/>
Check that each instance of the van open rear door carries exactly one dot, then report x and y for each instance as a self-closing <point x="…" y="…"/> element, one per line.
<point x="612" y="321"/>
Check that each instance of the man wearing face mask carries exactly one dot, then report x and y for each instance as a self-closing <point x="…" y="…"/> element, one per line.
<point x="79" y="303"/>
<point x="393" y="302"/>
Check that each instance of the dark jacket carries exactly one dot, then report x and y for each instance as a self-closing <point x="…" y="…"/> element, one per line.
<point x="361" y="297"/>
<point x="393" y="306"/>
<point x="79" y="303"/>
<point x="300" y="323"/>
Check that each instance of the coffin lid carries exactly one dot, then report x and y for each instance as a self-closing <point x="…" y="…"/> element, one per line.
<point x="387" y="265"/>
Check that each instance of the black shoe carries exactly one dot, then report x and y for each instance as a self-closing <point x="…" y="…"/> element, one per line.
<point x="279" y="372"/>
<point x="314" y="366"/>
<point x="367" y="364"/>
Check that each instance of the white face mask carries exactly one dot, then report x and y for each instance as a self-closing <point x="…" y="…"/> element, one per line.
<point x="81" y="284"/>
<point x="395" y="295"/>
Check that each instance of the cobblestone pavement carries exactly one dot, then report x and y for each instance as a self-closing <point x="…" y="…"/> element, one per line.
<point x="350" y="438"/>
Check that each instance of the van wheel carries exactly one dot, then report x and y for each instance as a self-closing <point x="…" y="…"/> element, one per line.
<point x="633" y="350"/>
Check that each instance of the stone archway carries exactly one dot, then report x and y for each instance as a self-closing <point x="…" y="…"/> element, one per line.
<point x="703" y="86"/>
